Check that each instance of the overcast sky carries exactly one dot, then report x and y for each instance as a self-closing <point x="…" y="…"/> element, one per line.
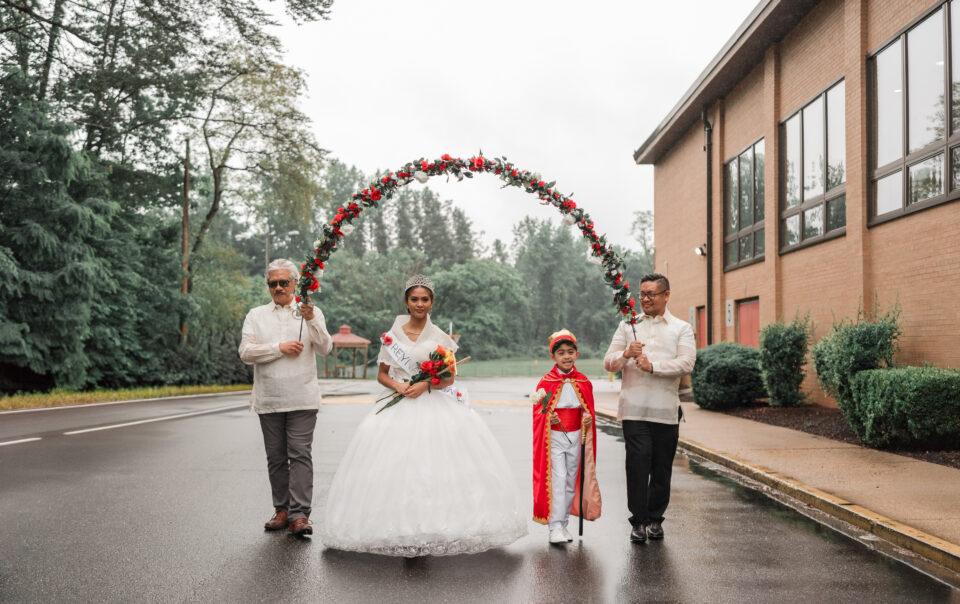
<point x="566" y="89"/>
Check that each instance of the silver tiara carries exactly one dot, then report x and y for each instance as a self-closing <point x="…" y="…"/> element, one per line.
<point x="418" y="281"/>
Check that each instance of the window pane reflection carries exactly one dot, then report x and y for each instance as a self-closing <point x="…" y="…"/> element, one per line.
<point x="889" y="105"/>
<point x="758" y="242"/>
<point x="926" y="179"/>
<point x="746" y="247"/>
<point x="813" y="149"/>
<point x="955" y="60"/>
<point x="836" y="137"/>
<point x="836" y="213"/>
<point x="890" y="193"/>
<point x="792" y="229"/>
<point x="955" y="162"/>
<point x="732" y="225"/>
<point x="746" y="191"/>
<point x="758" y="172"/>
<point x="925" y="69"/>
<point x="732" y="248"/>
<point x="813" y="222"/>
<point x="792" y="134"/>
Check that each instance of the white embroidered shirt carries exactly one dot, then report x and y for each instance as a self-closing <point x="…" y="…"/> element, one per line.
<point x="282" y="382"/>
<point x="671" y="348"/>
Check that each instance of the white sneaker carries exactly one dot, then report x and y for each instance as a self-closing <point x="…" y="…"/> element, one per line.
<point x="557" y="536"/>
<point x="566" y="534"/>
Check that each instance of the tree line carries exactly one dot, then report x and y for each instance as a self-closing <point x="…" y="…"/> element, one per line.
<point x="108" y="109"/>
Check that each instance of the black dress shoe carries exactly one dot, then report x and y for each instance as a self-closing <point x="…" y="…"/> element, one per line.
<point x="654" y="530"/>
<point x="638" y="534"/>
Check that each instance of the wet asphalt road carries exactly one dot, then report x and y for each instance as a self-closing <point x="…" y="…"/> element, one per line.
<point x="172" y="511"/>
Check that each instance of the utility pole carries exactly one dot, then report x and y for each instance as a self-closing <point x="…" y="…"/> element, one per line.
<point x="185" y="249"/>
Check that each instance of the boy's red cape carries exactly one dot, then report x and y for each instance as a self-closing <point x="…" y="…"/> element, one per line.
<point x="552" y="383"/>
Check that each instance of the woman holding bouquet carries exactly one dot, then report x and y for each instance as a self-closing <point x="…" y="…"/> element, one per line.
<point x="425" y="476"/>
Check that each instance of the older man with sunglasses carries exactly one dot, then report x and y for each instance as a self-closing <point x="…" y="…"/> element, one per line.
<point x="652" y="362"/>
<point x="286" y="394"/>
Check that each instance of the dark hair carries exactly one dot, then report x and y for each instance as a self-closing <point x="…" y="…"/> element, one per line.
<point x="660" y="280"/>
<point x="557" y="344"/>
<point x="406" y="294"/>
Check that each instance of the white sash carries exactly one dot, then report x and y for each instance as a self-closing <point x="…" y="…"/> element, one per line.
<point x="399" y="354"/>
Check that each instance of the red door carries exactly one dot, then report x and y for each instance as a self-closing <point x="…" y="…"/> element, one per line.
<point x="748" y="322"/>
<point x="701" y="326"/>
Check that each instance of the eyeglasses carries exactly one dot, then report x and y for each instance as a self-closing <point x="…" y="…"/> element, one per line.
<point x="281" y="283"/>
<point x="650" y="295"/>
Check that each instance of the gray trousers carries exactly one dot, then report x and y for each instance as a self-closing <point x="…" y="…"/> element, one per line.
<point x="288" y="439"/>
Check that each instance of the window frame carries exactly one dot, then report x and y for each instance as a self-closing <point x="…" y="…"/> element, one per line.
<point x="907" y="160"/>
<point x="755" y="225"/>
<point x="823" y="199"/>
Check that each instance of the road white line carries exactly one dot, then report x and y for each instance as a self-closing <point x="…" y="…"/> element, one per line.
<point x="17" y="442"/>
<point x="156" y="419"/>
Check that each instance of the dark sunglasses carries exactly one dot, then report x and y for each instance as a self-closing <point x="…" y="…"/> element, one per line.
<point x="281" y="283"/>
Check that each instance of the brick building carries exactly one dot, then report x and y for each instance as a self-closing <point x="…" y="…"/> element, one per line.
<point x="813" y="166"/>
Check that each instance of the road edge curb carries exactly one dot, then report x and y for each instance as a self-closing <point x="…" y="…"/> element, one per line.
<point x="133" y="400"/>
<point x="934" y="549"/>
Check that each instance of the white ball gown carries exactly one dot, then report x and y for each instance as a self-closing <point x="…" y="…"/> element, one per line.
<point x="425" y="477"/>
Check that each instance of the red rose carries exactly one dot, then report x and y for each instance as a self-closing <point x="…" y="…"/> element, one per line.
<point x="478" y="162"/>
<point x="387" y="340"/>
<point x="623" y="310"/>
<point x="435" y="381"/>
<point x="446" y="157"/>
<point x="375" y="195"/>
<point x="314" y="285"/>
<point x="631" y="303"/>
<point x="320" y="265"/>
<point x="513" y="173"/>
<point x="296" y="298"/>
<point x="541" y="183"/>
<point x="385" y="180"/>
<point x="626" y="284"/>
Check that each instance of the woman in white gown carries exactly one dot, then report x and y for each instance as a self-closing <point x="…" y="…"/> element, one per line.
<point x="426" y="476"/>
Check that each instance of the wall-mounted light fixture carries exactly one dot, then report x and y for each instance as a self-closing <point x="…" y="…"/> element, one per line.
<point x="700" y="250"/>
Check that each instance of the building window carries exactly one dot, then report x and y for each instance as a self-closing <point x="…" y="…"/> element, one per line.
<point x="915" y="141"/>
<point x="814" y="175"/>
<point x="743" y="207"/>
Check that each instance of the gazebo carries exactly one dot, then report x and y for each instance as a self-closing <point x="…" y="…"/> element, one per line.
<point x="344" y="340"/>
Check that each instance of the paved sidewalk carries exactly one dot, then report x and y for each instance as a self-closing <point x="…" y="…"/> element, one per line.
<point x="912" y="503"/>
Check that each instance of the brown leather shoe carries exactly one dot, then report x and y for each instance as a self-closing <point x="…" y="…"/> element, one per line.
<point x="301" y="527"/>
<point x="278" y="522"/>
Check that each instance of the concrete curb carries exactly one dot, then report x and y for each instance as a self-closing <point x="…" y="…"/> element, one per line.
<point x="932" y="548"/>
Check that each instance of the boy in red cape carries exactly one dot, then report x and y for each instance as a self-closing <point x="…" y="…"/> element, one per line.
<point x="563" y="419"/>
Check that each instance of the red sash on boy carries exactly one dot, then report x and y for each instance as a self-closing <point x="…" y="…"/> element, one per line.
<point x="552" y="383"/>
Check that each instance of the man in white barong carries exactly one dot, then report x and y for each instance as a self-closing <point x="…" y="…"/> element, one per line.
<point x="286" y="393"/>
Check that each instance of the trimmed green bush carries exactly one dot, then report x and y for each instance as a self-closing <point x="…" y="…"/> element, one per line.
<point x="852" y="347"/>
<point x="726" y="375"/>
<point x="783" y="353"/>
<point x="908" y="407"/>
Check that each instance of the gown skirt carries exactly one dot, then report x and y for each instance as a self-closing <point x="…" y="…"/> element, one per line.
<point x="425" y="477"/>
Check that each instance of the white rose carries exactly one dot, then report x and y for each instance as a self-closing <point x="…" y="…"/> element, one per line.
<point x="569" y="220"/>
<point x="538" y="396"/>
<point x="318" y="273"/>
<point x="421" y="177"/>
<point x="347" y="229"/>
<point x="316" y="243"/>
<point x="593" y="259"/>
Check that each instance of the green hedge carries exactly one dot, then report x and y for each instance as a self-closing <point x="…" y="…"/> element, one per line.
<point x="908" y="407"/>
<point x="726" y="375"/>
<point x="852" y="347"/>
<point x="783" y="353"/>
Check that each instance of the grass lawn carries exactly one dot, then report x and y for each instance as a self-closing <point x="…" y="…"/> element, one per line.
<point x="527" y="367"/>
<point x="61" y="398"/>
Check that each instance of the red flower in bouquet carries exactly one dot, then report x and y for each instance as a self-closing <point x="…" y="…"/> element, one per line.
<point x="441" y="363"/>
<point x="386" y="339"/>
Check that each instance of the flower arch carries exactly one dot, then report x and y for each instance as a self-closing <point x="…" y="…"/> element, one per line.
<point x="421" y="171"/>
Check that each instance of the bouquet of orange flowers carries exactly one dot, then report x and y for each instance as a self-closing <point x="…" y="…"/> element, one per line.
<point x="442" y="362"/>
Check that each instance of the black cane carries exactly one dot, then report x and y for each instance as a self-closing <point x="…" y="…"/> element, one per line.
<point x="583" y="467"/>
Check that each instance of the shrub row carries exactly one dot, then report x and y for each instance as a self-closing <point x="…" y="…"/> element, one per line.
<point x="783" y="353"/>
<point x="907" y="406"/>
<point x="726" y="375"/>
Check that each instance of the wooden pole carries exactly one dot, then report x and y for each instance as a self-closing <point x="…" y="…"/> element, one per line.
<point x="185" y="244"/>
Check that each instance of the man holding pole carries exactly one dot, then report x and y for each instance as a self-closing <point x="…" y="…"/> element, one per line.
<point x="564" y="439"/>
<point x="653" y="355"/>
<point x="286" y="394"/>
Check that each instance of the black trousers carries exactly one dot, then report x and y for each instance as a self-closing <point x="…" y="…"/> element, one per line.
<point x="650" y="451"/>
